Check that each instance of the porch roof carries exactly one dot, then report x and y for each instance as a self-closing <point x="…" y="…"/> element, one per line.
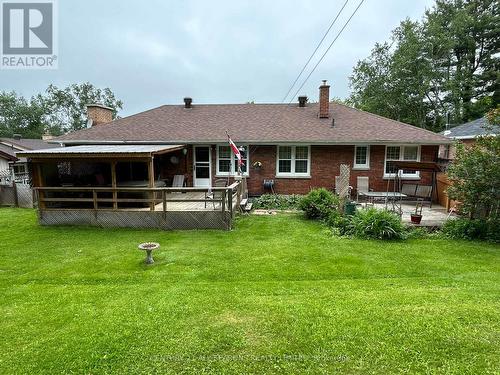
<point x="99" y="151"/>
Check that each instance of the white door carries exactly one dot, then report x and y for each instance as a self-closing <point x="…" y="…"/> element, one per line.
<point x="202" y="159"/>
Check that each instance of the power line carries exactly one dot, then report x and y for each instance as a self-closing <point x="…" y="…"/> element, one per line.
<point x="314" y="52"/>
<point x="328" y="49"/>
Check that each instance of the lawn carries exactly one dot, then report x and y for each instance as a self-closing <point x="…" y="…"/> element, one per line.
<point x="277" y="294"/>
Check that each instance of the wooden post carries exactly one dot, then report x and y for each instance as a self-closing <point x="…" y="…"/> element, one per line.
<point x="39" y="183"/>
<point x="223" y="203"/>
<point x="164" y="199"/>
<point x="230" y="202"/>
<point x="151" y="177"/>
<point x="113" y="184"/>
<point x="238" y="195"/>
<point x="94" y="199"/>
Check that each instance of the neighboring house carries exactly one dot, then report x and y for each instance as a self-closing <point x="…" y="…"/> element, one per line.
<point x="298" y="146"/>
<point x="465" y="133"/>
<point x="10" y="163"/>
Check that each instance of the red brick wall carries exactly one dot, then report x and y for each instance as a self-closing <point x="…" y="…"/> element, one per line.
<point x="325" y="165"/>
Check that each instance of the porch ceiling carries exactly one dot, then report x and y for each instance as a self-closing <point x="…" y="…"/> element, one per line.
<point x="101" y="151"/>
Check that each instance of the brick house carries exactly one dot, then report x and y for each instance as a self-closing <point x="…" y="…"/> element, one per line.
<point x="298" y="146"/>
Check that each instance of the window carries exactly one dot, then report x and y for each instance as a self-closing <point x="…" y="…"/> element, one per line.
<point x="293" y="161"/>
<point x="227" y="163"/>
<point x="361" y="157"/>
<point x="396" y="153"/>
<point x="19" y="168"/>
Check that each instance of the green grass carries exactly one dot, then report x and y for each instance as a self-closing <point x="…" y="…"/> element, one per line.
<point x="276" y="295"/>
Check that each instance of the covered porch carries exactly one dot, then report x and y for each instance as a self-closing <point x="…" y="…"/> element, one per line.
<point x="127" y="186"/>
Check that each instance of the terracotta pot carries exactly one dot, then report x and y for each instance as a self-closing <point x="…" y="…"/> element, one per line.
<point x="415" y="218"/>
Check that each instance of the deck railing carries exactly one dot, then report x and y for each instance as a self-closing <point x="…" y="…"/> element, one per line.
<point x="224" y="200"/>
<point x="96" y="198"/>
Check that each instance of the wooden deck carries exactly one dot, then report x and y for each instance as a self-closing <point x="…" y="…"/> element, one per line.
<point x="164" y="208"/>
<point x="188" y="204"/>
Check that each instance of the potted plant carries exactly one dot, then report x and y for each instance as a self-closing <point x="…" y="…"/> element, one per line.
<point x="257" y="165"/>
<point x="416" y="217"/>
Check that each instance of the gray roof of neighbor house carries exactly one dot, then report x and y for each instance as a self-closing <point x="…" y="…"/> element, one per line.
<point x="468" y="130"/>
<point x="10" y="146"/>
<point x="253" y="123"/>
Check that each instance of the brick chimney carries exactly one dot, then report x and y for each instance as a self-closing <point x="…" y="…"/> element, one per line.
<point x="99" y="114"/>
<point x="324" y="100"/>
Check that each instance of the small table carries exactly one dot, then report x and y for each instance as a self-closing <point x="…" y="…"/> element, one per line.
<point x="386" y="195"/>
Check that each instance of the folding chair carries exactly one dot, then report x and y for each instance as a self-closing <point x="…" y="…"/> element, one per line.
<point x="217" y="194"/>
<point x="362" y="186"/>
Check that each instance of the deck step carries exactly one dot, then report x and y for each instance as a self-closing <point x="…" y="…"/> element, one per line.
<point x="248" y="207"/>
<point x="243" y="202"/>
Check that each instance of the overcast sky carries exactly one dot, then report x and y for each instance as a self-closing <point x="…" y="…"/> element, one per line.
<point x="156" y="52"/>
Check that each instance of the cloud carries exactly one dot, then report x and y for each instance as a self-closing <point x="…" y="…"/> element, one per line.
<point x="222" y="51"/>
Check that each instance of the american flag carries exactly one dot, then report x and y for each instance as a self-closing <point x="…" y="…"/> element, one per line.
<point x="235" y="149"/>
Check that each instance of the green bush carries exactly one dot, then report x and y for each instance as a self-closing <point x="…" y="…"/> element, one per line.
<point x="377" y="224"/>
<point x="472" y="229"/>
<point x="339" y="223"/>
<point x="277" y="202"/>
<point x="319" y="203"/>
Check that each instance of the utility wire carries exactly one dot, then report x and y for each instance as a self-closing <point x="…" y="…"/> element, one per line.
<point x="271" y="121"/>
<point x="314" y="52"/>
<point x="328" y="49"/>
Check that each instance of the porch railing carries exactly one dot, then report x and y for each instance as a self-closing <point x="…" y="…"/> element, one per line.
<point x="224" y="200"/>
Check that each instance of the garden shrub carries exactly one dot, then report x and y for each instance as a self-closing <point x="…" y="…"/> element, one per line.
<point x="475" y="174"/>
<point x="377" y="224"/>
<point x="341" y="224"/>
<point x="472" y="229"/>
<point x="277" y="202"/>
<point x="319" y="203"/>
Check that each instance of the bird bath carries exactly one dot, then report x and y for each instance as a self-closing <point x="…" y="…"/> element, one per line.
<point x="148" y="247"/>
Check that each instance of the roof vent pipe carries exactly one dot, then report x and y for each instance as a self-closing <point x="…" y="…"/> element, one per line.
<point x="302" y="101"/>
<point x="187" y="102"/>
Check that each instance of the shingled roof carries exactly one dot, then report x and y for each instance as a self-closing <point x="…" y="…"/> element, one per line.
<point x="469" y="130"/>
<point x="9" y="146"/>
<point x="253" y="123"/>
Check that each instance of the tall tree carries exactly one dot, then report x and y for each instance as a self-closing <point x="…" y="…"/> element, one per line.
<point x="447" y="63"/>
<point x="56" y="111"/>
<point x="468" y="34"/>
<point x="66" y="107"/>
<point x="20" y="116"/>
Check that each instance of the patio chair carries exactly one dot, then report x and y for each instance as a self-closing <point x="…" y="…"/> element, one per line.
<point x="215" y="195"/>
<point x="178" y="180"/>
<point x="362" y="186"/>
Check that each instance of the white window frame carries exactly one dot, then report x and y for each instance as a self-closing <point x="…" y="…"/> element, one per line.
<point x="233" y="161"/>
<point x="292" y="173"/>
<point x="365" y="166"/>
<point x="408" y="176"/>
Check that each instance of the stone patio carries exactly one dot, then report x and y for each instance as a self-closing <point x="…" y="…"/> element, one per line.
<point x="431" y="217"/>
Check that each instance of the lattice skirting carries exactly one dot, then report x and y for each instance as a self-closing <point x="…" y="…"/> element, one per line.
<point x="138" y="219"/>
